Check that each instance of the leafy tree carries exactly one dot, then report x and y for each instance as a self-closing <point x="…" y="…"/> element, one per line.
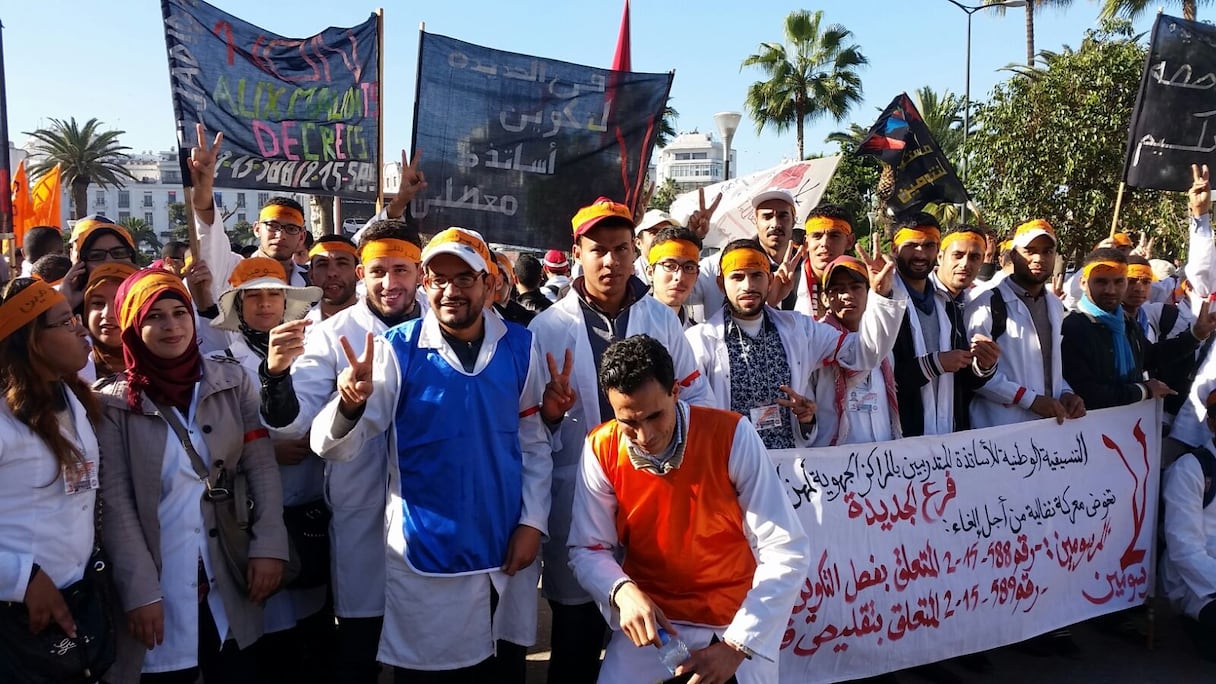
<point x="241" y="234"/>
<point x="142" y="233"/>
<point x="852" y="187"/>
<point x="177" y="220"/>
<point x="86" y="155"/>
<point x="810" y="76"/>
<point x="1134" y="8"/>
<point x="664" y="195"/>
<point x="1053" y="146"/>
<point x="667" y="126"/>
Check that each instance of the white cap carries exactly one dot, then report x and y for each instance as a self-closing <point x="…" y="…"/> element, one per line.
<point x="652" y="220"/>
<point x="466" y="244"/>
<point x="774" y="194"/>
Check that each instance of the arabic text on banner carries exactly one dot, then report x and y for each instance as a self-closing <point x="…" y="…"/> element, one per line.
<point x="298" y="115"/>
<point x="514" y="145"/>
<point x="933" y="547"/>
<point x="1173" y="124"/>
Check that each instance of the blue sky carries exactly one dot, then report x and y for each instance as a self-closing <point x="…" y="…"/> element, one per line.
<point x="107" y="59"/>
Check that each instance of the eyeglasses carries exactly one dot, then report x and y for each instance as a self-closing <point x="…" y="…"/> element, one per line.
<point x="71" y="324"/>
<point x="689" y="267"/>
<point x="289" y="228"/>
<point x="463" y="281"/>
<point x="115" y="253"/>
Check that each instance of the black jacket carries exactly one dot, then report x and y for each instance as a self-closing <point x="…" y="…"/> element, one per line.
<point x="534" y="301"/>
<point x="1088" y="359"/>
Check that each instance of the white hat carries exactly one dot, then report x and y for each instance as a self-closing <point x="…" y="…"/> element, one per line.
<point x="1162" y="269"/>
<point x="652" y="220"/>
<point x="773" y="194"/>
<point x="466" y="244"/>
<point x="256" y="273"/>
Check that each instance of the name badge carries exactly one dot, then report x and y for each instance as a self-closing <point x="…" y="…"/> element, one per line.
<point x="765" y="417"/>
<point x="862" y="402"/>
<point x="82" y="480"/>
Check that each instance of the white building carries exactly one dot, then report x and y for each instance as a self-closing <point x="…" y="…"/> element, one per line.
<point x="693" y="160"/>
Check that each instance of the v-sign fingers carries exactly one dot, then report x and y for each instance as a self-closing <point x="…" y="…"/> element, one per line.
<point x="369" y="353"/>
<point x="352" y="359"/>
<point x="701" y="198"/>
<point x="567" y="366"/>
<point x="416" y="160"/>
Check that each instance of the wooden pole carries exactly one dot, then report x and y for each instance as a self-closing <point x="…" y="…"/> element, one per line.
<point x="1114" y="223"/>
<point x="379" y="112"/>
<point x="337" y="227"/>
<point x="191" y="229"/>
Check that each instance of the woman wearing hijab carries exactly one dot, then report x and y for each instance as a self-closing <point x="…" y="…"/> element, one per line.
<point x="260" y="307"/>
<point x="48" y="453"/>
<point x="101" y="320"/>
<point x="185" y="610"/>
<point x="95" y="240"/>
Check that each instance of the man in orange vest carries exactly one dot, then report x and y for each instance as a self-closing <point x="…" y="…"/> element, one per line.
<point x="681" y="489"/>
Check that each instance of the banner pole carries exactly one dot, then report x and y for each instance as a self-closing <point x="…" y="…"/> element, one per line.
<point x="7" y="227"/>
<point x="1114" y="222"/>
<point x="379" y="112"/>
<point x="191" y="228"/>
<point x="337" y="226"/>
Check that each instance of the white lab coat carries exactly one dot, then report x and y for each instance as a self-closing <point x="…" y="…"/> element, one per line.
<point x="780" y="545"/>
<point x="809" y="345"/>
<point x="1188" y="567"/>
<point x="937" y="395"/>
<point x="439" y="623"/>
<point x="561" y="327"/>
<point x="1018" y="378"/>
<point x="707" y="297"/>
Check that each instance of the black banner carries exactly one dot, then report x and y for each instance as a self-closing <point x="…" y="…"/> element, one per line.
<point x="298" y="114"/>
<point x="923" y="174"/>
<point x="1174" y="108"/>
<point x="513" y="145"/>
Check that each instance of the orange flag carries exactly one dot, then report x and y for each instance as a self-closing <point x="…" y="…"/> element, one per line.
<point x="46" y="198"/>
<point x="23" y="207"/>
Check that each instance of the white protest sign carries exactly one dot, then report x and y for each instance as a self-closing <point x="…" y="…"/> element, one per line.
<point x="735" y="217"/>
<point x="932" y="547"/>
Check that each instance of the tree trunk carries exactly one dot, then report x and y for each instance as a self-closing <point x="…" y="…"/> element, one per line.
<point x="1030" y="34"/>
<point x="322" y="215"/>
<point x="799" y="127"/>
<point x="1188" y="10"/>
<point x="80" y="198"/>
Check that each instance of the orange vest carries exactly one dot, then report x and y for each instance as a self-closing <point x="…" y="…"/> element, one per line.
<point x="683" y="532"/>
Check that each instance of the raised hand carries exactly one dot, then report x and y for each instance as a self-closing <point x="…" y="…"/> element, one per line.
<point x="785" y="279"/>
<point x="559" y="395"/>
<point x="1200" y="194"/>
<point x="413" y="181"/>
<point x="1204" y="324"/>
<point x="699" y="221"/>
<point x="802" y="407"/>
<point x="286" y="345"/>
<point x="203" y="158"/>
<point x="355" y="381"/>
<point x="74" y="283"/>
<point x="198" y="281"/>
<point x="881" y="266"/>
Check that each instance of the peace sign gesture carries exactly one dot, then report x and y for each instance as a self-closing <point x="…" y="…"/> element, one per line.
<point x="559" y="395"/>
<point x="203" y="158"/>
<point x="413" y="181"/>
<point x="355" y="381"/>
<point x="699" y="221"/>
<point x="1200" y="192"/>
<point x="882" y="268"/>
<point x="785" y="278"/>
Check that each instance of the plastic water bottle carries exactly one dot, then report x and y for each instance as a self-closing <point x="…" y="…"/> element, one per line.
<point x="673" y="652"/>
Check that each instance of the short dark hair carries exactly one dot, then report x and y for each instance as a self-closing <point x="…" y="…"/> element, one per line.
<point x="529" y="272"/>
<point x="736" y="245"/>
<point x="309" y="240"/>
<point x="51" y="267"/>
<point x="627" y="364"/>
<point x="284" y="201"/>
<point x="248" y="250"/>
<point x="40" y="241"/>
<point x="915" y="219"/>
<point x="335" y="238"/>
<point x="390" y="229"/>
<point x="1105" y="254"/>
<point x="174" y="249"/>
<point x="832" y="211"/>
<point x="669" y="233"/>
<point x="1137" y="259"/>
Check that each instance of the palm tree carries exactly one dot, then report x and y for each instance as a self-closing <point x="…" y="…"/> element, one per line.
<point x="810" y="76"/>
<point x="86" y="155"/>
<point x="667" y="126"/>
<point x="1031" y="6"/>
<point x="1134" y="8"/>
<point x="141" y="233"/>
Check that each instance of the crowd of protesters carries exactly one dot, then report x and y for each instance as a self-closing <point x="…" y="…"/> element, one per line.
<point x="418" y="434"/>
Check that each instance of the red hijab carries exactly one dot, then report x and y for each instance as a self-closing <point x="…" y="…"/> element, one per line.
<point x="166" y="381"/>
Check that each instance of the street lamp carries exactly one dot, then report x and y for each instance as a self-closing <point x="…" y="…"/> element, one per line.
<point x="970" y="10"/>
<point x="728" y="123"/>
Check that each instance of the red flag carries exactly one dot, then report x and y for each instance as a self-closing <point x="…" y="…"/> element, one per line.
<point x="620" y="60"/>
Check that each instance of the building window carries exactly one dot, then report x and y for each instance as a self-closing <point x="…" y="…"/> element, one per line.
<point x="219" y="199"/>
<point x="240" y="200"/>
<point x="263" y="198"/>
<point x="124" y="199"/>
<point x="148" y="218"/>
<point x="124" y="216"/>
<point x="99" y="198"/>
<point x="148" y="199"/>
<point x="172" y="196"/>
<point x="240" y="218"/>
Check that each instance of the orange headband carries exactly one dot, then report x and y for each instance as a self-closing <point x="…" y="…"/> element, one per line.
<point x="844" y="262"/>
<point x="827" y="224"/>
<point x="673" y="249"/>
<point x="923" y="233"/>
<point x="1141" y="272"/>
<point x="282" y="214"/>
<point x="745" y="258"/>
<point x="332" y="246"/>
<point x="148" y="285"/>
<point x="254" y="268"/>
<point x="109" y="270"/>
<point x="1118" y="268"/>
<point x="390" y="247"/>
<point x="962" y="235"/>
<point x="26" y="305"/>
<point x="1120" y="240"/>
